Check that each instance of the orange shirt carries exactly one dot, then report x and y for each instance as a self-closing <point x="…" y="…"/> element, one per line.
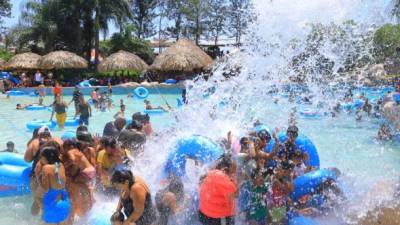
<point x="57" y="90"/>
<point x="216" y="193"/>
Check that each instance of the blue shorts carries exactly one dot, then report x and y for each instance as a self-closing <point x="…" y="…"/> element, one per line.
<point x="84" y="120"/>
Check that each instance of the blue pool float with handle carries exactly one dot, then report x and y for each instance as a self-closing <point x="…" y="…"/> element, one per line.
<point x="71" y="122"/>
<point x="36" y="107"/>
<point x="154" y="111"/>
<point x="14" y="175"/>
<point x="195" y="147"/>
<point x="309" y="182"/>
<point x="304" y="144"/>
<point x="32" y="125"/>
<point x="170" y="81"/>
<point x="141" y="92"/>
<point x="309" y="114"/>
<point x="15" y="93"/>
<point x="33" y="94"/>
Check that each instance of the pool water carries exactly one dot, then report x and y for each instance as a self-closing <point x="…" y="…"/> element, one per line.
<point x="341" y="142"/>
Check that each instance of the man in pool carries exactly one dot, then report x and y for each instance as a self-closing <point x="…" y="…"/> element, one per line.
<point x="75" y="98"/>
<point x="10" y="147"/>
<point x="114" y="128"/>
<point x="148" y="106"/>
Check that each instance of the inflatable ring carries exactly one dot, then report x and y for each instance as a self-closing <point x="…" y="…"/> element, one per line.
<point x="33" y="94"/>
<point x="304" y="144"/>
<point x="14" y="175"/>
<point x="71" y="122"/>
<point x="179" y="102"/>
<point x="32" y="125"/>
<point x="194" y="147"/>
<point x="308" y="113"/>
<point x="170" y="81"/>
<point x="36" y="107"/>
<point x="358" y="104"/>
<point x="141" y="92"/>
<point x="15" y="93"/>
<point x="85" y="83"/>
<point x="396" y="98"/>
<point x="154" y="111"/>
<point x="309" y="182"/>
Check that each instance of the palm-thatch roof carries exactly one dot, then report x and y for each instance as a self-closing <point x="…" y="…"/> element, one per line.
<point x="184" y="56"/>
<point x="123" y="60"/>
<point x="23" y="61"/>
<point x="62" y="60"/>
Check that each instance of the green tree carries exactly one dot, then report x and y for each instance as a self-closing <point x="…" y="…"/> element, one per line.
<point x="196" y="12"/>
<point x="144" y="11"/>
<point x="175" y="13"/>
<point x="5" y="9"/>
<point x="126" y="41"/>
<point x="386" y="41"/>
<point x="216" y="20"/>
<point x="239" y="18"/>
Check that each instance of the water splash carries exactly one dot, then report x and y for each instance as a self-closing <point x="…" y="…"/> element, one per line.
<point x="314" y="41"/>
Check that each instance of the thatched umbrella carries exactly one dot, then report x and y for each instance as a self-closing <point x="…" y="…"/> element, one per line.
<point x="62" y="60"/>
<point x="23" y="61"/>
<point x="182" y="57"/>
<point x="122" y="60"/>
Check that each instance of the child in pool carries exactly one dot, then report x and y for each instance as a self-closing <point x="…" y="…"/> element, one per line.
<point x="56" y="203"/>
<point x="259" y="186"/>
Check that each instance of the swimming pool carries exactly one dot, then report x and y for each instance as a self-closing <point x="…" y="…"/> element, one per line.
<point x="341" y="141"/>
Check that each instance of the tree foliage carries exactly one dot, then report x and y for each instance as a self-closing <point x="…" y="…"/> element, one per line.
<point x="386" y="41"/>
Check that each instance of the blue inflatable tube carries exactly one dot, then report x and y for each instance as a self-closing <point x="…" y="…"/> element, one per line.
<point x="170" y="81"/>
<point x="154" y="111"/>
<point x="196" y="147"/>
<point x="309" y="114"/>
<point x="32" y="125"/>
<point x="85" y="83"/>
<point x="141" y="92"/>
<point x="301" y="220"/>
<point x="304" y="144"/>
<point x="309" y="182"/>
<point x="14" y="175"/>
<point x="396" y="98"/>
<point x="36" y="107"/>
<point x="33" y="94"/>
<point x="15" y="93"/>
<point x="179" y="102"/>
<point x="71" y="122"/>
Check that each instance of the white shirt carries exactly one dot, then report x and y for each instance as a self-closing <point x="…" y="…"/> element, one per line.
<point x="38" y="77"/>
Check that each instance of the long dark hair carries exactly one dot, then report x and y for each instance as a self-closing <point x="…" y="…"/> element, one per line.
<point x="51" y="154"/>
<point x="224" y="163"/>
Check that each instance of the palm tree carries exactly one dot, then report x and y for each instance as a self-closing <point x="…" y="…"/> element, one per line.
<point x="117" y="11"/>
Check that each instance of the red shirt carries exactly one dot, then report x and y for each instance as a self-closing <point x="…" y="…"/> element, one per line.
<point x="57" y="90"/>
<point x="216" y="193"/>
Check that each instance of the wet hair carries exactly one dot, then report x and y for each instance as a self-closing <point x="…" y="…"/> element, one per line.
<point x="84" y="136"/>
<point x="136" y="125"/>
<point x="70" y="144"/>
<point x="224" y="163"/>
<point x="109" y="142"/>
<point x="50" y="154"/>
<point x="176" y="186"/>
<point x="52" y="144"/>
<point x="81" y="128"/>
<point x="292" y="129"/>
<point x="10" y="143"/>
<point x="264" y="135"/>
<point x="121" y="176"/>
